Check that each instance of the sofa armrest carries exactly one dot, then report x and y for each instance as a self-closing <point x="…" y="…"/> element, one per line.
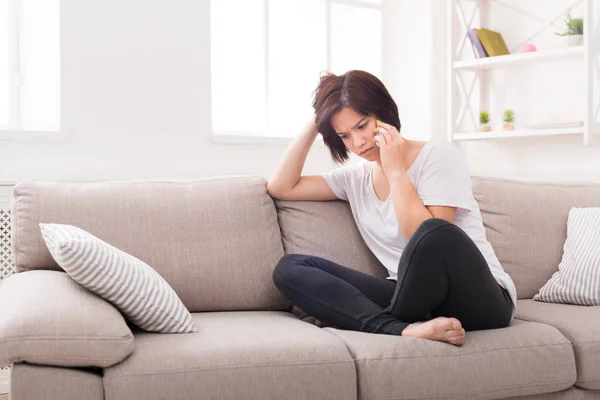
<point x="47" y="318"/>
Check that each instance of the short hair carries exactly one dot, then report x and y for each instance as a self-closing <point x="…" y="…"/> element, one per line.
<point x="359" y="90"/>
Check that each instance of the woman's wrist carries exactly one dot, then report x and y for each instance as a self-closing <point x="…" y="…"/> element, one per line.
<point x="310" y="129"/>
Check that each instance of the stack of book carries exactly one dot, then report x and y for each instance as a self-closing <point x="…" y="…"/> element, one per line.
<point x="487" y="43"/>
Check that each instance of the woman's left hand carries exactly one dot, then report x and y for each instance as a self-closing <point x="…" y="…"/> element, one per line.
<point x="392" y="148"/>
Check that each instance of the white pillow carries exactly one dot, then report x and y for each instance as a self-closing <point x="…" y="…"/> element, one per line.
<point x="577" y="280"/>
<point x="132" y="286"/>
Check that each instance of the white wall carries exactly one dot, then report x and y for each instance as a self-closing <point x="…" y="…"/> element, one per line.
<point x="407" y="67"/>
<point x="530" y="158"/>
<point x="136" y="101"/>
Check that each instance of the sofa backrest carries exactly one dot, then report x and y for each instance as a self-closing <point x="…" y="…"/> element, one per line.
<point x="326" y="229"/>
<point x="526" y="223"/>
<point x="215" y="241"/>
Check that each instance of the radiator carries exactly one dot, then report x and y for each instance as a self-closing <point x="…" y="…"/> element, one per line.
<point x="7" y="267"/>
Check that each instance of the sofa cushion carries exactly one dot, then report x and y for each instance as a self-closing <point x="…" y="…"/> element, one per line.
<point x="580" y="325"/>
<point x="326" y="229"/>
<point x="54" y="383"/>
<point x="491" y="364"/>
<point x="526" y="223"/>
<point x="215" y="241"/>
<point x="128" y="283"/>
<point x="236" y="355"/>
<point x="577" y="280"/>
<point x="48" y="318"/>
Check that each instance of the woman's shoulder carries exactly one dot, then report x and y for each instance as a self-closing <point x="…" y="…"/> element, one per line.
<point x="353" y="171"/>
<point x="441" y="145"/>
<point x="440" y="151"/>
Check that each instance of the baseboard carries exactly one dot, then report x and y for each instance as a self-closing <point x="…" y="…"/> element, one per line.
<point x="4" y="381"/>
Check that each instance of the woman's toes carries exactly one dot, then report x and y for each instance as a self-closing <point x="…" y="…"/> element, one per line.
<point x="456" y="325"/>
<point x="443" y="324"/>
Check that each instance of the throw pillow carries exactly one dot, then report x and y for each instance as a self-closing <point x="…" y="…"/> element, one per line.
<point x="131" y="285"/>
<point x="577" y="280"/>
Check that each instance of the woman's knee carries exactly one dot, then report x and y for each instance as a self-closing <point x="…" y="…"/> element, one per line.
<point x="437" y="233"/>
<point x="432" y="224"/>
<point x="433" y="228"/>
<point x="288" y="267"/>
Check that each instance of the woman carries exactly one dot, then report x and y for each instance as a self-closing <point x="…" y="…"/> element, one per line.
<point x="414" y="207"/>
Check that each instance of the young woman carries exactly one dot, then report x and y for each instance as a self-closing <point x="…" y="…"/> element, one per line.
<point x="414" y="207"/>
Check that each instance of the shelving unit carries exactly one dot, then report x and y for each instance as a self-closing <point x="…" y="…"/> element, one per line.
<point x="462" y="61"/>
<point x="517" y="133"/>
<point x="514" y="60"/>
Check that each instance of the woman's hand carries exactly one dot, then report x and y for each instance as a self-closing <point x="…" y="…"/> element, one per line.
<point x="392" y="147"/>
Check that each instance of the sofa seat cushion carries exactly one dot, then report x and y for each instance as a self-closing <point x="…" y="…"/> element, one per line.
<point x="524" y="359"/>
<point x="54" y="383"/>
<point x="236" y="355"/>
<point x="580" y="325"/>
<point x="48" y="318"/>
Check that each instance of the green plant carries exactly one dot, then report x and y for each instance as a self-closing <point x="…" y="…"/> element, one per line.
<point x="484" y="117"/>
<point x="509" y="116"/>
<point x="574" y="25"/>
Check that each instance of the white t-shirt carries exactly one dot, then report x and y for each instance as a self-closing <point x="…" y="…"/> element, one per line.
<point x="441" y="178"/>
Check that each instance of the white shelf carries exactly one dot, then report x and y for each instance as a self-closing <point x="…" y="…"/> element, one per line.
<point x="501" y="134"/>
<point x="511" y="60"/>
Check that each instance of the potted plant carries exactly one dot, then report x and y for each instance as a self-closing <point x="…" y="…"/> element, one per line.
<point x="509" y="120"/>
<point x="484" y="121"/>
<point x="574" y="32"/>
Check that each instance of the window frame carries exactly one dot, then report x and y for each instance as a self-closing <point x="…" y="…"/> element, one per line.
<point x="12" y="131"/>
<point x="229" y="137"/>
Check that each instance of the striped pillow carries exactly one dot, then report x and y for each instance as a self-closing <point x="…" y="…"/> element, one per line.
<point x="131" y="285"/>
<point x="577" y="280"/>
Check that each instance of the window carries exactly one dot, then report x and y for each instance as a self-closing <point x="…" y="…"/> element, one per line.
<point x="267" y="56"/>
<point x="29" y="65"/>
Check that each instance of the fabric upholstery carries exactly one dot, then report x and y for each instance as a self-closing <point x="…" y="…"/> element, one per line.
<point x="577" y="280"/>
<point x="32" y="382"/>
<point x="326" y="229"/>
<point x="47" y="318"/>
<point x="215" y="241"/>
<point x="131" y="285"/>
<point x="236" y="355"/>
<point x="513" y="361"/>
<point x="573" y="393"/>
<point x="526" y="223"/>
<point x="580" y="325"/>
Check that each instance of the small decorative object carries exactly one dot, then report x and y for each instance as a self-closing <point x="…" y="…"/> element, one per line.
<point x="528" y="47"/>
<point x="509" y="120"/>
<point x="484" y="121"/>
<point x="574" y="32"/>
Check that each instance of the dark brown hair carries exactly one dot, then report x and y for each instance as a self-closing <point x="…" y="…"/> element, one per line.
<point x="359" y="90"/>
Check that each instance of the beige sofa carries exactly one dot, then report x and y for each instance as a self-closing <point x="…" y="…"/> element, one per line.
<point x="216" y="242"/>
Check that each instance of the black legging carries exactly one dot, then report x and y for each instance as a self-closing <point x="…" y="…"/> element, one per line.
<point x="441" y="273"/>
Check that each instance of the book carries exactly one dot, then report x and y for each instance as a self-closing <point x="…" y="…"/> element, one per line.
<point x="492" y="42"/>
<point x="477" y="46"/>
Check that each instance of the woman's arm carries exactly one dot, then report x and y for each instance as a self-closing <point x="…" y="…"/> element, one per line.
<point x="409" y="208"/>
<point x="287" y="183"/>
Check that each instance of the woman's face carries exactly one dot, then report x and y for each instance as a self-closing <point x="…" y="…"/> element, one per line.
<point x="357" y="132"/>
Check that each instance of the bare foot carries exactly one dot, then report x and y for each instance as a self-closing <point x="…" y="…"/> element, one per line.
<point x="441" y="329"/>
<point x="321" y="324"/>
